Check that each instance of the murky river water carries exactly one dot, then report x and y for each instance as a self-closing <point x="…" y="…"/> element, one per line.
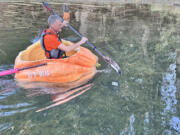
<point x="142" y="39"/>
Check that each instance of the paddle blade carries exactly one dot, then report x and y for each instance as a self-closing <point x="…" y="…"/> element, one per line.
<point x="48" y="7"/>
<point x="8" y="72"/>
<point x="113" y="64"/>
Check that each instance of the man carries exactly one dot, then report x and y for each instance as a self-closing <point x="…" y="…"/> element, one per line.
<point x="52" y="44"/>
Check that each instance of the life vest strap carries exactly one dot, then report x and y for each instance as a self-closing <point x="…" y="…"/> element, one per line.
<point x="55" y="53"/>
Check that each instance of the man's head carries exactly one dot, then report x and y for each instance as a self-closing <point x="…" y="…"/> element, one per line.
<point x="55" y="23"/>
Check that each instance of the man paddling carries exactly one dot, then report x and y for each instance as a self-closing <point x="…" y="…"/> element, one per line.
<point x="52" y="44"/>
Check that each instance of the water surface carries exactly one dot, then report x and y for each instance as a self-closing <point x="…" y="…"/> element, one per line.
<point x="142" y="39"/>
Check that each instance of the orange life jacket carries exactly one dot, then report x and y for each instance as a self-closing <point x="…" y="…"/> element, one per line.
<point x="54" y="53"/>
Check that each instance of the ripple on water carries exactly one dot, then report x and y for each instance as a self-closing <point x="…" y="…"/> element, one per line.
<point x="5" y="126"/>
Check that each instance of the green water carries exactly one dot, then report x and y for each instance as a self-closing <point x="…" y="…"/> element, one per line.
<point x="142" y="39"/>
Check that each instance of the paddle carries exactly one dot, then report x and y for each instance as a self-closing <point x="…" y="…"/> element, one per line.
<point x="12" y="71"/>
<point x="113" y="64"/>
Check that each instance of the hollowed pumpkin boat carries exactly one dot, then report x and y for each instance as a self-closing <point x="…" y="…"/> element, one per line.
<point x="78" y="67"/>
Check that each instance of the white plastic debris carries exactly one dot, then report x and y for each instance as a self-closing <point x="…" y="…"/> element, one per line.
<point x="115" y="83"/>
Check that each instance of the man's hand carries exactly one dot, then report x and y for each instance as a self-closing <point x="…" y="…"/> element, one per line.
<point x="65" y="23"/>
<point x="83" y="40"/>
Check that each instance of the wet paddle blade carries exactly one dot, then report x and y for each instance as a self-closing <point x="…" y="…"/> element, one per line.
<point x="113" y="64"/>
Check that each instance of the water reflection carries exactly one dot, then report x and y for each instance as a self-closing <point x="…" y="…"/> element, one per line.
<point x="178" y="69"/>
<point x="141" y="38"/>
<point x="146" y="123"/>
<point x="58" y="93"/>
<point x="7" y="88"/>
<point x="169" y="101"/>
<point x="5" y="126"/>
<point x="10" y="113"/>
<point x="58" y="97"/>
<point x="129" y="130"/>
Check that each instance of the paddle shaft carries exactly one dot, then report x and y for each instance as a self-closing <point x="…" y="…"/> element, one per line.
<point x="90" y="44"/>
<point x="34" y="66"/>
<point x="108" y="60"/>
<point x="12" y="71"/>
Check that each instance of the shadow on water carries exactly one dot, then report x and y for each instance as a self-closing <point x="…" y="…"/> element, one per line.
<point x="142" y="38"/>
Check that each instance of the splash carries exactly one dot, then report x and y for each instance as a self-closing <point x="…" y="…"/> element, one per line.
<point x="107" y="71"/>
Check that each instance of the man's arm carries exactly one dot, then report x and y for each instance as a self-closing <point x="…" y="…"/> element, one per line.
<point x="73" y="46"/>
